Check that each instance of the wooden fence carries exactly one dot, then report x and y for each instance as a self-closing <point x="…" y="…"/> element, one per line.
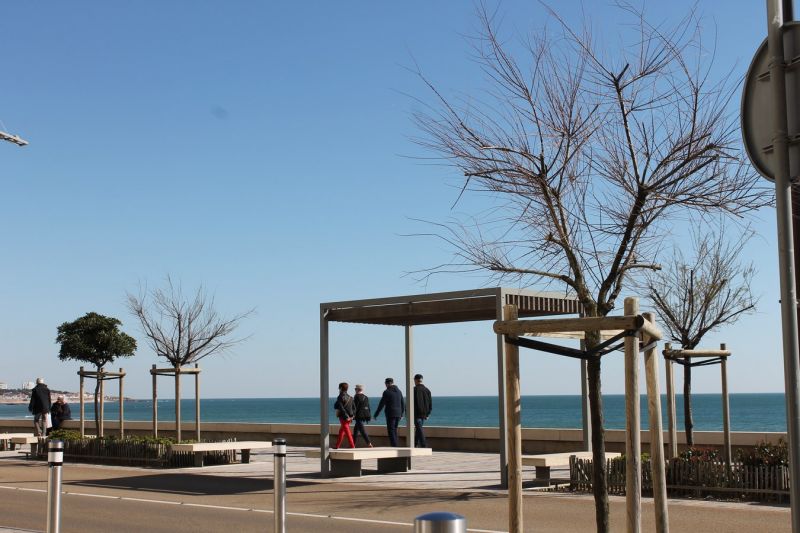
<point x="693" y="478"/>
<point x="133" y="453"/>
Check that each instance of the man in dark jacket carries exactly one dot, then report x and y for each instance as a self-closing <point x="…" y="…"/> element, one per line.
<point x="392" y="400"/>
<point x="40" y="406"/>
<point x="422" y="410"/>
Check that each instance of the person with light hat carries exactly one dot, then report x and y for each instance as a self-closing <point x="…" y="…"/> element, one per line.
<point x="40" y="406"/>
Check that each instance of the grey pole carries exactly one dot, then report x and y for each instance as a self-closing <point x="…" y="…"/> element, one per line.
<point x="409" y="390"/>
<point x="279" y="485"/>
<point x="324" y="422"/>
<point x="55" y="458"/>
<point x="791" y="365"/>
<point x="440" y="523"/>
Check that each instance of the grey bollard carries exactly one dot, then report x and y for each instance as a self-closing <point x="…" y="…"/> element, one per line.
<point x="279" y="484"/>
<point x="440" y="522"/>
<point x="55" y="458"/>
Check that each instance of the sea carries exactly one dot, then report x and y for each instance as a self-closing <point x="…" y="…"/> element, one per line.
<point x="748" y="412"/>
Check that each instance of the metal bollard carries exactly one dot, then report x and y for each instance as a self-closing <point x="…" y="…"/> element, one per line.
<point x="55" y="458"/>
<point x="279" y="485"/>
<point x="440" y="522"/>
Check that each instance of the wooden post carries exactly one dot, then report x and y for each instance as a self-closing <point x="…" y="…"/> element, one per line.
<point x="155" y="401"/>
<point x="501" y="392"/>
<point x="121" y="405"/>
<point x="409" y="390"/>
<point x="656" y="434"/>
<point x="83" y="404"/>
<point x="726" y="416"/>
<point x="177" y="403"/>
<point x="673" y="431"/>
<point x="633" y="444"/>
<point x="197" y="402"/>
<point x="101" y="418"/>
<point x="514" y="431"/>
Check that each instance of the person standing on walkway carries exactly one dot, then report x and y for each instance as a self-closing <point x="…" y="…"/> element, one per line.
<point x="363" y="414"/>
<point x="344" y="411"/>
<point x="40" y="406"/>
<point x="395" y="405"/>
<point x="422" y="410"/>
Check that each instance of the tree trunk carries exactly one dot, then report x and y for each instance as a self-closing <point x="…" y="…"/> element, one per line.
<point x="178" y="403"/>
<point x="687" y="403"/>
<point x="96" y="405"/>
<point x="599" y="481"/>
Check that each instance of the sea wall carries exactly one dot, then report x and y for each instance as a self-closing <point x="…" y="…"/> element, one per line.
<point x="465" y="439"/>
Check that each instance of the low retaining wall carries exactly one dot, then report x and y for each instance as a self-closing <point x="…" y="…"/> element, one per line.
<point x="460" y="439"/>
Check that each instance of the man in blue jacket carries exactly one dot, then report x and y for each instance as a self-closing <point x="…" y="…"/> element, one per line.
<point x="392" y="400"/>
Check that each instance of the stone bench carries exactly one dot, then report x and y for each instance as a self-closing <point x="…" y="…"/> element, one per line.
<point x="346" y="462"/>
<point x="544" y="462"/>
<point x="6" y="439"/>
<point x="37" y="444"/>
<point x="200" y="448"/>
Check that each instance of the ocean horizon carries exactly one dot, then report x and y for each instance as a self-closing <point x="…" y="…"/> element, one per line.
<point x="748" y="411"/>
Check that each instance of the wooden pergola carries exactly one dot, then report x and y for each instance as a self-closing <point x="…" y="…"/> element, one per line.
<point x="693" y="358"/>
<point x="102" y="376"/>
<point x="439" y="308"/>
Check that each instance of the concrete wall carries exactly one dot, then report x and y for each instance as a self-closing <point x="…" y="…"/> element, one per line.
<point x="467" y="439"/>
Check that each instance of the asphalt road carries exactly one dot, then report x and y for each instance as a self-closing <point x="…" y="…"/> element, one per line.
<point x="125" y="499"/>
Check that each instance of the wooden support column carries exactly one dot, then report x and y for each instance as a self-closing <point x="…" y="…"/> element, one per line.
<point x="726" y="415"/>
<point x="514" y="431"/>
<point x="501" y="394"/>
<point x="155" y="401"/>
<point x="121" y="404"/>
<point x="656" y="433"/>
<point x="101" y="405"/>
<point x="83" y="404"/>
<point x="324" y="422"/>
<point x="197" y="402"/>
<point x="673" y="431"/>
<point x="409" y="390"/>
<point x="633" y="444"/>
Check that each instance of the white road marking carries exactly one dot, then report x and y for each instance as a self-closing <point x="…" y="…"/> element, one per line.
<point x="227" y="508"/>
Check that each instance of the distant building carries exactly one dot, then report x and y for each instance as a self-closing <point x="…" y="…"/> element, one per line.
<point x="3" y="386"/>
<point x="28" y="385"/>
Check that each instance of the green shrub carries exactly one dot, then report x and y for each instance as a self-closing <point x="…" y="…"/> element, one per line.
<point x="765" y="454"/>
<point x="697" y="454"/>
<point x="64" y="434"/>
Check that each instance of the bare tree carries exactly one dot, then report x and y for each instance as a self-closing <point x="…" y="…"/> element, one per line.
<point x="588" y="157"/>
<point x="697" y="295"/>
<point x="181" y="330"/>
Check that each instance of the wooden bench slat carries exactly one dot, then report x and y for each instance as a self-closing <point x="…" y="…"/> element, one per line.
<point x="559" y="459"/>
<point x="221" y="446"/>
<point x="360" y="454"/>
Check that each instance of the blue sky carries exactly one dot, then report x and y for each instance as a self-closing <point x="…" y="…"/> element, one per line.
<point x="265" y="151"/>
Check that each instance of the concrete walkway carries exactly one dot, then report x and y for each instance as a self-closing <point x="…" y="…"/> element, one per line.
<point x="239" y="497"/>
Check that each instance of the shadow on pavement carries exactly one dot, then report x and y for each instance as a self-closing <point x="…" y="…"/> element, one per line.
<point x="186" y="484"/>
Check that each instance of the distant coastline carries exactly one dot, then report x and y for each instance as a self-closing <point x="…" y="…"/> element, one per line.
<point x="749" y="412"/>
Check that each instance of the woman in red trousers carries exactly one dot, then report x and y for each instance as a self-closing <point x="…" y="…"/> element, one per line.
<point x="345" y="413"/>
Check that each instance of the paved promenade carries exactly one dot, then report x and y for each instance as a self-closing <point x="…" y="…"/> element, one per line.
<point x="239" y="498"/>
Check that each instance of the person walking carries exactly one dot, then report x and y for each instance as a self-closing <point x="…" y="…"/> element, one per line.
<point x="422" y="410"/>
<point x="363" y="414"/>
<point x="60" y="411"/>
<point x="344" y="411"/>
<point x="395" y="405"/>
<point x="40" y="406"/>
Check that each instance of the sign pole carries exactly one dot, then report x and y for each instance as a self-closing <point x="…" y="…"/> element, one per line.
<point x="791" y="366"/>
